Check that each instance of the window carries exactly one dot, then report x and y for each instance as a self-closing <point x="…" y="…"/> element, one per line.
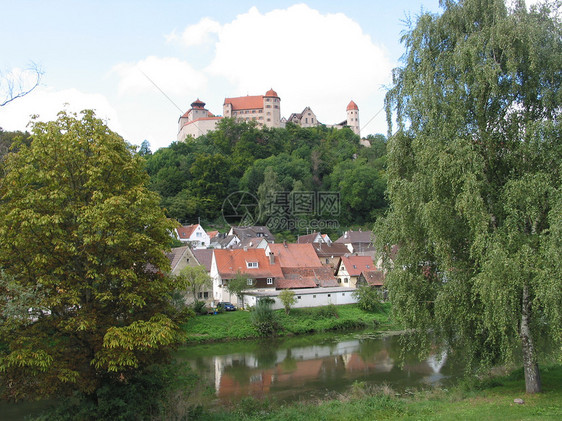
<point x="314" y="296"/>
<point x="367" y="266"/>
<point x="250" y="281"/>
<point x="198" y="234"/>
<point x="329" y="295"/>
<point x="346" y="280"/>
<point x="339" y="281"/>
<point x="343" y="294"/>
<point x="299" y="297"/>
<point x="206" y="294"/>
<point x="269" y="281"/>
<point x="327" y="260"/>
<point x="354" y="266"/>
<point x="268" y="106"/>
<point x="251" y="265"/>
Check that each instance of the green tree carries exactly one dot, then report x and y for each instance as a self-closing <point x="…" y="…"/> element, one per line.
<point x="237" y="286"/>
<point x="288" y="299"/>
<point x="368" y="298"/>
<point x="194" y="279"/>
<point x="475" y="181"/>
<point x="81" y="246"/>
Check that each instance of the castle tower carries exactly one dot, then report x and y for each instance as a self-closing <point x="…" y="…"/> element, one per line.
<point x="272" y="109"/>
<point x="353" y="117"/>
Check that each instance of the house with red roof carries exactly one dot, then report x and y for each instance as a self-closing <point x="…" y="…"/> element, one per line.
<point x="350" y="268"/>
<point x="194" y="235"/>
<point x="262" y="271"/>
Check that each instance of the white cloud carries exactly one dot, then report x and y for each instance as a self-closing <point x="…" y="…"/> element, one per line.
<point x="309" y="58"/>
<point x="198" y="34"/>
<point x="47" y="102"/>
<point x="169" y="74"/>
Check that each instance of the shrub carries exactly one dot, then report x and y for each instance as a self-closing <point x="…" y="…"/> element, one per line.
<point x="199" y="307"/>
<point x="264" y="320"/>
<point x="328" y="311"/>
<point x="288" y="299"/>
<point x="368" y="298"/>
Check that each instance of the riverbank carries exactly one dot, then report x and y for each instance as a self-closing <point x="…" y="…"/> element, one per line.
<point x="238" y="325"/>
<point x="491" y="399"/>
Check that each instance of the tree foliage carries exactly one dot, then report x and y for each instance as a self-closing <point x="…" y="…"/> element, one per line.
<point x="287" y="297"/>
<point x="81" y="247"/>
<point x="196" y="175"/>
<point x="474" y="181"/>
<point x="193" y="279"/>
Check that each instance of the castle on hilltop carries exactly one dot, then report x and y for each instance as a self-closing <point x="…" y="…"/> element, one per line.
<point x="265" y="110"/>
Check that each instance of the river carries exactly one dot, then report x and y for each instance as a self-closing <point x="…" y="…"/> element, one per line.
<point x="313" y="366"/>
<point x="299" y="368"/>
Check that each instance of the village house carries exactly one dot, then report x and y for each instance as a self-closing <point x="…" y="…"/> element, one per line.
<point x="252" y="232"/>
<point x="329" y="254"/>
<point x="277" y="267"/>
<point x="262" y="271"/>
<point x="359" y="242"/>
<point x="195" y="235"/>
<point x="181" y="257"/>
<point x="350" y="268"/>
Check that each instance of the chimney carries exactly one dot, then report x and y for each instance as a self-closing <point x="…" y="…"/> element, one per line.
<point x="245" y="248"/>
<point x="271" y="258"/>
<point x="285" y="243"/>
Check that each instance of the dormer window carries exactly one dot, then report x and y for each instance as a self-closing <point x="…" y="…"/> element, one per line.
<point x="251" y="265"/>
<point x="354" y="266"/>
<point x="269" y="281"/>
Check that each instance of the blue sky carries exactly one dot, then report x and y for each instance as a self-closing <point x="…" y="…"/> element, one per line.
<point x="320" y="54"/>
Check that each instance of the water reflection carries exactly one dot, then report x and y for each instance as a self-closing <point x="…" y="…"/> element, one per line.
<point x="291" y="370"/>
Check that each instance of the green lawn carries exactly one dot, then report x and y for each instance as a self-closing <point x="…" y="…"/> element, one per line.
<point x="237" y="324"/>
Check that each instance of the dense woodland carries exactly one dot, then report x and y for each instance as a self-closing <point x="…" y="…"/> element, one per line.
<point x="195" y="176"/>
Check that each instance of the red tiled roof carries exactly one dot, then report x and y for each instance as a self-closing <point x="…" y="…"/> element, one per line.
<point x="295" y="255"/>
<point x="352" y="106"/>
<point x="245" y="102"/>
<point x="202" y="118"/>
<point x="307" y="278"/>
<point x="357" y="264"/>
<point x="230" y="262"/>
<point x="211" y="234"/>
<point x="309" y="238"/>
<point x="374" y="277"/>
<point x="186" y="231"/>
<point x="271" y="92"/>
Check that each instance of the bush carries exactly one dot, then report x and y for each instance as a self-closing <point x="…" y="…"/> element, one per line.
<point x="328" y="311"/>
<point x="264" y="320"/>
<point x="199" y="307"/>
<point x="288" y="299"/>
<point x="368" y="298"/>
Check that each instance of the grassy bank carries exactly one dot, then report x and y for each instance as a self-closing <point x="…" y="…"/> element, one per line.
<point x="237" y="324"/>
<point x="490" y="399"/>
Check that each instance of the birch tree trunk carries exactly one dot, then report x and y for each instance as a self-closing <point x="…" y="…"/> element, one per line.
<point x="530" y="365"/>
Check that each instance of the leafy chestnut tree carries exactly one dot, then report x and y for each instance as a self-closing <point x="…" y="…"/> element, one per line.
<point x="84" y="301"/>
<point x="474" y="182"/>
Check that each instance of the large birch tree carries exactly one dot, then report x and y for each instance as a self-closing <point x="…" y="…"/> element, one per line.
<point x="475" y="171"/>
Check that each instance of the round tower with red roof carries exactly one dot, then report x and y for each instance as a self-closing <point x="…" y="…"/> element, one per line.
<point x="353" y="117"/>
<point x="271" y="109"/>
